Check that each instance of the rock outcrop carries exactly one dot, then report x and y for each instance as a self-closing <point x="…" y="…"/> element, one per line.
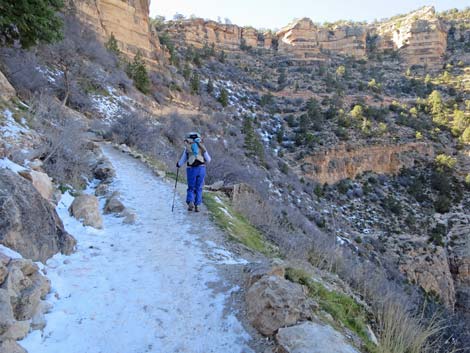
<point x="29" y="224"/>
<point x="420" y="37"/>
<point x="86" y="208"/>
<point x="6" y="89"/>
<point x="310" y="337"/>
<point x="274" y="302"/>
<point x="429" y="271"/>
<point x="459" y="258"/>
<point x="22" y="307"/>
<point x="331" y="166"/>
<point x="128" y="21"/>
<point x="41" y="182"/>
<point x="306" y="41"/>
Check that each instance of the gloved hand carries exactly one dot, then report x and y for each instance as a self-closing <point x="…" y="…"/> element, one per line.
<point x="177" y="165"/>
<point x="198" y="140"/>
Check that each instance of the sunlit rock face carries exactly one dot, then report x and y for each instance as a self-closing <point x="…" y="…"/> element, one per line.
<point x="128" y="21"/>
<point x="306" y="40"/>
<point x="420" y="37"/>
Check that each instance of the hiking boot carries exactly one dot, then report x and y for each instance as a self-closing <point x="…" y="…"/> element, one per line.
<point x="190" y="206"/>
<point x="196" y="209"/>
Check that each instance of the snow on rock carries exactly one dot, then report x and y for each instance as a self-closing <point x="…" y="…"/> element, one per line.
<point x="5" y="163"/>
<point x="148" y="287"/>
<point x="12" y="254"/>
<point x="11" y="127"/>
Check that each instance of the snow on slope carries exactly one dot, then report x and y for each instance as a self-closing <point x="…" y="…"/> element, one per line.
<point x="140" y="288"/>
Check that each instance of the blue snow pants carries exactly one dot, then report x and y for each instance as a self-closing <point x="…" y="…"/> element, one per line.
<point x="195" y="177"/>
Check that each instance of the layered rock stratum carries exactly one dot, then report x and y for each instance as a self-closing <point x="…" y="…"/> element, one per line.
<point x="419" y="37"/>
<point x="332" y="165"/>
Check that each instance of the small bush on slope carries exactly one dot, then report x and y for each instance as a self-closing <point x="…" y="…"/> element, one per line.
<point x="399" y="331"/>
<point x="236" y="224"/>
<point x="344" y="309"/>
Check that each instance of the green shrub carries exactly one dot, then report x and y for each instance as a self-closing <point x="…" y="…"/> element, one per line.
<point x="223" y="97"/>
<point x="444" y="162"/>
<point x="138" y="72"/>
<point x="442" y="204"/>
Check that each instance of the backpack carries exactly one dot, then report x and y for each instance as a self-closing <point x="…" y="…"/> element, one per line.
<point x="195" y="156"/>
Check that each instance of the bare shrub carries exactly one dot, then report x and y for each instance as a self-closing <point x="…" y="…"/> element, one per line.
<point x="402" y="332"/>
<point x="64" y="151"/>
<point x="23" y="70"/>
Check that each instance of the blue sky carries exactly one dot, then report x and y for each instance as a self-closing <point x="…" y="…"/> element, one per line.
<point x="277" y="13"/>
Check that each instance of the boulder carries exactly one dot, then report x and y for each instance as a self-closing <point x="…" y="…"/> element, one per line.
<point x="258" y="270"/>
<point x="274" y="302"/>
<point x="104" y="170"/>
<point x="311" y="337"/>
<point x="36" y="165"/>
<point x="102" y="189"/>
<point x="129" y="216"/>
<point x="86" y="208"/>
<point x="29" y="224"/>
<point x="22" y="304"/>
<point x="11" y="347"/>
<point x="113" y="204"/>
<point x="41" y="182"/>
<point x="6" y="89"/>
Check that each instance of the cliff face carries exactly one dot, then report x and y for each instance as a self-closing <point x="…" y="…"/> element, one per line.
<point x="420" y="37"/>
<point x="305" y="40"/>
<point x="127" y="20"/>
<point x="198" y="32"/>
<point x="331" y="166"/>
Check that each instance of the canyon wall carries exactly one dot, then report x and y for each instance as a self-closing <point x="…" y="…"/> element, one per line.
<point x="305" y="40"/>
<point x="420" y="37"/>
<point x="128" y="21"/>
<point x="331" y="166"/>
<point x="198" y="33"/>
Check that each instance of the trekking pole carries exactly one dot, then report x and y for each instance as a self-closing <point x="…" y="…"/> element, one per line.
<point x="174" y="192"/>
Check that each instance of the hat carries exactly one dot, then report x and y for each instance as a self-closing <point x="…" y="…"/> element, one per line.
<point x="193" y="135"/>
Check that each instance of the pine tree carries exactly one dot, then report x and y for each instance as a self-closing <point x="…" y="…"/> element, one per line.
<point x="210" y="86"/>
<point x="222" y="57"/>
<point x="194" y="84"/>
<point x="436" y="107"/>
<point x="30" y="22"/>
<point x="223" y="97"/>
<point x="138" y="72"/>
<point x="253" y="144"/>
<point x="112" y="45"/>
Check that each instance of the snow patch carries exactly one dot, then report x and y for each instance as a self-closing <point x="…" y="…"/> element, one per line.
<point x="9" y="252"/>
<point x="5" y="163"/>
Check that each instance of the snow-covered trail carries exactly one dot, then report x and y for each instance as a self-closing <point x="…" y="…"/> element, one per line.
<point x="144" y="287"/>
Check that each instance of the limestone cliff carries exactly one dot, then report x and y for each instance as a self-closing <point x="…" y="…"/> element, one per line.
<point x="420" y="37"/>
<point x="128" y="21"/>
<point x="331" y="166"/>
<point x="199" y="32"/>
<point x="305" y="40"/>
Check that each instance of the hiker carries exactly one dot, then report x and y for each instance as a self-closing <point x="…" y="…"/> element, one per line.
<point x="195" y="156"/>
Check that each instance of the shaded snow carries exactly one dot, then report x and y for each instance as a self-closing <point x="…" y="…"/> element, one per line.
<point x="8" y="164"/>
<point x="9" y="252"/>
<point x="11" y="127"/>
<point x="140" y="288"/>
